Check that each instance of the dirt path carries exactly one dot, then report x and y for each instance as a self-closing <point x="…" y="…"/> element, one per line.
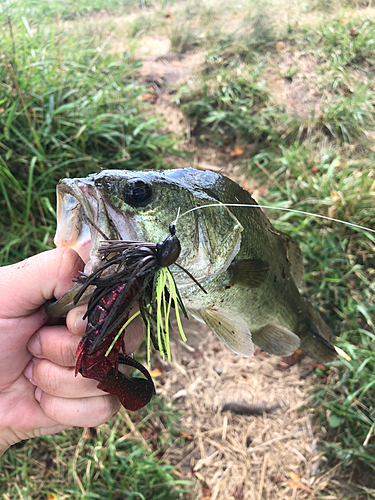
<point x="241" y="456"/>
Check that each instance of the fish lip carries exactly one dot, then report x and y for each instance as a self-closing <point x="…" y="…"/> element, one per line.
<point x="78" y="202"/>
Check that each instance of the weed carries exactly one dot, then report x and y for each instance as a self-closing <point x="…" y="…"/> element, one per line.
<point x="140" y="25"/>
<point x="348" y="117"/>
<point x="42" y="10"/>
<point x="69" y="108"/>
<point x="348" y="395"/>
<point x="289" y="74"/>
<point x="256" y="35"/>
<point x="339" y="271"/>
<point x="258" y="32"/>
<point x="102" y="464"/>
<point x="347" y="43"/>
<point x="325" y="5"/>
<point x="183" y="36"/>
<point x="227" y="105"/>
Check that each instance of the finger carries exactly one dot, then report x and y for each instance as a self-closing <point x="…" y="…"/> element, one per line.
<point x="22" y="416"/>
<point x="59" y="345"/>
<point x="55" y="343"/>
<point x="33" y="281"/>
<point x="133" y="333"/>
<point x="60" y="381"/>
<point x="84" y="412"/>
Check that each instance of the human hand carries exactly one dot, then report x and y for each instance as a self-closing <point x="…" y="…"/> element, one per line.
<point x="39" y="393"/>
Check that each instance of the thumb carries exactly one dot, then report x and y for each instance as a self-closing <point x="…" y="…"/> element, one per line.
<point x="29" y="284"/>
<point x="24" y="288"/>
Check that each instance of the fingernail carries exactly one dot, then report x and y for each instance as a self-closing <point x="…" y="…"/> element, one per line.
<point x="75" y="321"/>
<point x="28" y="372"/>
<point x="38" y="394"/>
<point x="34" y="345"/>
<point x="80" y="323"/>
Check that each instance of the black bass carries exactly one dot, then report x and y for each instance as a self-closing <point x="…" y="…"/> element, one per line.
<point x="250" y="270"/>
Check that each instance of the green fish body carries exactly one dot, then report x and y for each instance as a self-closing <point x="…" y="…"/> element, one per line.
<point x="250" y="270"/>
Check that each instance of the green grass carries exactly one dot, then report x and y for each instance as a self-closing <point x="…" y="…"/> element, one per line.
<point x="42" y="10"/>
<point x="256" y="34"/>
<point x="228" y="105"/>
<point x="140" y="25"/>
<point x="348" y="43"/>
<point x="183" y="36"/>
<point x="348" y="117"/>
<point x="99" y="463"/>
<point x="339" y="277"/>
<point x="68" y="108"/>
<point x="334" y="5"/>
<point x="348" y="395"/>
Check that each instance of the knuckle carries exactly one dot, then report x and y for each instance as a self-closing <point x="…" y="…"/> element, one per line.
<point x="71" y="356"/>
<point x="67" y="259"/>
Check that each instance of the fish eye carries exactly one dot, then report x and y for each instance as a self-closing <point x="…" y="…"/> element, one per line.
<point x="137" y="193"/>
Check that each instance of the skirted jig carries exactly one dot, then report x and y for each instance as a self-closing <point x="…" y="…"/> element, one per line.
<point x="133" y="273"/>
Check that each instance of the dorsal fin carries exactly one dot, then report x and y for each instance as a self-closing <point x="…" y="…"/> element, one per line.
<point x="294" y="257"/>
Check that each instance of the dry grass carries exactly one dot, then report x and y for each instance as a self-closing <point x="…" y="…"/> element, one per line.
<point x="238" y="457"/>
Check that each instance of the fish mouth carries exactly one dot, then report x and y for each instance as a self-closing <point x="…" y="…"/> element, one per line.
<point x="84" y="221"/>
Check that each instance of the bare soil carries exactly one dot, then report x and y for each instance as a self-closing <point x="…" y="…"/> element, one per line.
<point x="298" y="92"/>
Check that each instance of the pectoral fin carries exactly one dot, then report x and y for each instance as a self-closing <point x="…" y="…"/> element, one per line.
<point x="231" y="330"/>
<point x="250" y="273"/>
<point x="276" y="339"/>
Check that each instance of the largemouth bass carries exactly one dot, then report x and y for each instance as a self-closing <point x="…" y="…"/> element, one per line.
<point x="250" y="270"/>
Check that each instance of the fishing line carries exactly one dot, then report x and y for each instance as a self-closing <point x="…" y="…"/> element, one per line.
<point x="357" y="226"/>
<point x="178" y="215"/>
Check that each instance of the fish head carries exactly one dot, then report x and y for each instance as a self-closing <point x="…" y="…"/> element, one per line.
<point x="139" y="206"/>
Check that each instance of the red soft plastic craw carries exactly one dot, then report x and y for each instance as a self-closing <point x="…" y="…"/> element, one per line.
<point x="134" y="393"/>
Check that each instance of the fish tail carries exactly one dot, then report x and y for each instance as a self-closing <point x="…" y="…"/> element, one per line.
<point x="315" y="335"/>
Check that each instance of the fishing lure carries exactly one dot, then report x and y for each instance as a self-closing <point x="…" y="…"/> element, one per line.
<point x="132" y="273"/>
